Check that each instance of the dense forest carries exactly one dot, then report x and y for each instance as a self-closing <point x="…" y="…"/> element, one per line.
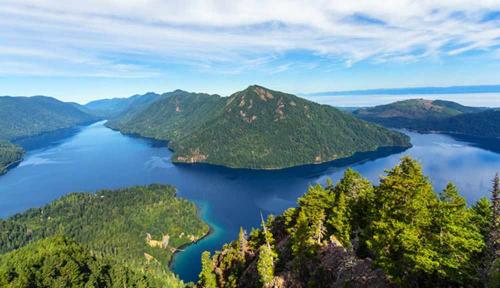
<point x="400" y="233"/>
<point x="482" y="124"/>
<point x="138" y="227"/>
<point x="255" y="128"/>
<point x="113" y="108"/>
<point x="28" y="116"/>
<point x="9" y="154"/>
<point x="175" y="115"/>
<point x="61" y="262"/>
<point x="435" y="116"/>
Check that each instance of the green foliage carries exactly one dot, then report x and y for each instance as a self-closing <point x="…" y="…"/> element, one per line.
<point x="112" y="223"/>
<point x="59" y="262"/>
<point x="404" y="200"/>
<point x="482" y="216"/>
<point x="265" y="265"/>
<point x="28" y="116"/>
<point x="123" y="107"/>
<point x="458" y="238"/>
<point x="173" y="115"/>
<point x="9" y="154"/>
<point x="428" y="116"/>
<point x="255" y="128"/>
<point x="207" y="277"/>
<point x="417" y="237"/>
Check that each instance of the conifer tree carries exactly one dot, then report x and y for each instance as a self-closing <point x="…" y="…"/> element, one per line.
<point x="403" y="202"/>
<point x="207" y="275"/>
<point x="493" y="273"/>
<point x="495" y="227"/>
<point x="265" y="265"/>
<point x="267" y="257"/>
<point x="458" y="239"/>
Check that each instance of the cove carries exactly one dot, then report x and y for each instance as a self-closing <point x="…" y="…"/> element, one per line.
<point x="94" y="157"/>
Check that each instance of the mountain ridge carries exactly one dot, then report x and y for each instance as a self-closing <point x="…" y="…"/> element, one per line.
<point x="255" y="128"/>
<point x="435" y="116"/>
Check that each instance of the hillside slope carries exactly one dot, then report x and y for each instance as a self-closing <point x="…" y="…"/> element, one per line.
<point x="265" y="129"/>
<point x="400" y="233"/>
<point x="140" y="226"/>
<point x="112" y="108"/>
<point x="175" y="115"/>
<point x="408" y="113"/>
<point x="435" y="116"/>
<point x="28" y="116"/>
<point x="61" y="262"/>
<point x="256" y="128"/>
<point x="482" y="124"/>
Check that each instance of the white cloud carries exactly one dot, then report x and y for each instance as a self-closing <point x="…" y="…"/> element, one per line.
<point x="93" y="34"/>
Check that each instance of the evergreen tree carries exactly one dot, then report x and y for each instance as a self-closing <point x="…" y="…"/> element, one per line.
<point x="481" y="217"/>
<point x="403" y="203"/>
<point x="265" y="265"/>
<point x="207" y="277"/>
<point x="267" y="257"/>
<point x="457" y="239"/>
<point x="242" y="244"/>
<point x="495" y="229"/>
<point x="493" y="273"/>
<point x="340" y="216"/>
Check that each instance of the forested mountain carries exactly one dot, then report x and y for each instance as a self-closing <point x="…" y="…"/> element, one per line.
<point x="482" y="124"/>
<point x="172" y="117"/>
<point x="399" y="233"/>
<point x="28" y="116"/>
<point x="256" y="128"/>
<point x="138" y="228"/>
<point x="435" y="116"/>
<point x="407" y="113"/>
<point x="9" y="154"/>
<point x="111" y="108"/>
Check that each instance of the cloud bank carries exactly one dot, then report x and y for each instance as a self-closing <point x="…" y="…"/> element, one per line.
<point x="138" y="38"/>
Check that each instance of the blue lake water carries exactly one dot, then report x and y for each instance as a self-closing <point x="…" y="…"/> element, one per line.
<point x="94" y="157"/>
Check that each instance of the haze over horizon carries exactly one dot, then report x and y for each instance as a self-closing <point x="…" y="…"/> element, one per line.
<point x="103" y="49"/>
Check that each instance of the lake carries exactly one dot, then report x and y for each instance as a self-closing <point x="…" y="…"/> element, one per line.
<point x="94" y="157"/>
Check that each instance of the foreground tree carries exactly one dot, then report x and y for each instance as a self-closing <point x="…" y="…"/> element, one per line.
<point x="457" y="239"/>
<point x="403" y="202"/>
<point x="207" y="276"/>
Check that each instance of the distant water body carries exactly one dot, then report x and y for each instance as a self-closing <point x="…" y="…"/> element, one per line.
<point x="94" y="157"/>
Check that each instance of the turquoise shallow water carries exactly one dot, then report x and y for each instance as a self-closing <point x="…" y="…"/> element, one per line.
<point x="94" y="157"/>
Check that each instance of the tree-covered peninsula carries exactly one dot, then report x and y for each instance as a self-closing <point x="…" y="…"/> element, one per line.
<point x="255" y="128"/>
<point x="9" y="155"/>
<point x="122" y="237"/>
<point x="399" y="233"/>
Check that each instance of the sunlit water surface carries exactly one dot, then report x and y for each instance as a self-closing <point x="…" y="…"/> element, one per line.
<point x="94" y="157"/>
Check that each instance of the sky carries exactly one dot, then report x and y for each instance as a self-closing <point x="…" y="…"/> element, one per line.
<point x="86" y="50"/>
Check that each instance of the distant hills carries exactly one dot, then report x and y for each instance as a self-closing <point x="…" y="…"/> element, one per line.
<point x="28" y="116"/>
<point x="110" y="108"/>
<point x="255" y="128"/>
<point x="416" y="90"/>
<point x="435" y="116"/>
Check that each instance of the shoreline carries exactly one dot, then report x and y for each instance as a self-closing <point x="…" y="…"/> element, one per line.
<point x="178" y="250"/>
<point x="10" y="166"/>
<point x="355" y="155"/>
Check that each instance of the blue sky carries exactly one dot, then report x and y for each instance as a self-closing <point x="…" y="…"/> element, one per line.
<point x="104" y="48"/>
